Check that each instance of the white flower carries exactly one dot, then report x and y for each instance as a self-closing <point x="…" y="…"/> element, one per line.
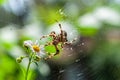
<point x="89" y="21"/>
<point x="107" y="15"/>
<point x="35" y="47"/>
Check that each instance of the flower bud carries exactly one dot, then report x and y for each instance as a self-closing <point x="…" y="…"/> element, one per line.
<point x="37" y="58"/>
<point x="19" y="60"/>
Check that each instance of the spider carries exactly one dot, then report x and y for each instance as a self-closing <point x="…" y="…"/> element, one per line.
<point x="56" y="39"/>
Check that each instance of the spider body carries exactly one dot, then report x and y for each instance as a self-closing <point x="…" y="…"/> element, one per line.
<point x="56" y="39"/>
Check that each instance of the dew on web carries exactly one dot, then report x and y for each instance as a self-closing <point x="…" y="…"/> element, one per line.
<point x="71" y="48"/>
<point x="82" y="43"/>
<point x="70" y="54"/>
<point x="61" y="71"/>
<point x="61" y="12"/>
<point x="73" y="35"/>
<point x="77" y="60"/>
<point x="79" y="74"/>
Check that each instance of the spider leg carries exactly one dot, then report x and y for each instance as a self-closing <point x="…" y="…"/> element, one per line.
<point x="53" y="54"/>
<point x="61" y="45"/>
<point x="61" y="31"/>
<point x="69" y="43"/>
<point x="57" y="50"/>
<point x="60" y="27"/>
<point x="50" y="56"/>
<point x="44" y="36"/>
<point x="73" y="40"/>
<point x="48" y="43"/>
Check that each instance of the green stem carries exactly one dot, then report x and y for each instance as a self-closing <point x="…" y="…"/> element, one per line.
<point x="27" y="69"/>
<point x="30" y="59"/>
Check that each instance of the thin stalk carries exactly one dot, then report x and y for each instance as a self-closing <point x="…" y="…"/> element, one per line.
<point x="30" y="59"/>
<point x="27" y="69"/>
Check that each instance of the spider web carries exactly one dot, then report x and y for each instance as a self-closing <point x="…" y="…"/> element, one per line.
<point x="77" y="69"/>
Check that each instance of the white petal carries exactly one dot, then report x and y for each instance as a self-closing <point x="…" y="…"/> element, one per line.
<point x="32" y="49"/>
<point x="36" y="42"/>
<point x="41" y="54"/>
<point x="42" y="47"/>
<point x="28" y="43"/>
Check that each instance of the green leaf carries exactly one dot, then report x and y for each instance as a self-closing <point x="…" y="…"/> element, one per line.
<point x="50" y="49"/>
<point x="88" y="31"/>
<point x="2" y="1"/>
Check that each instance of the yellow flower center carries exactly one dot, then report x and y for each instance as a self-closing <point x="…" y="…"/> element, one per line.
<point x="36" y="48"/>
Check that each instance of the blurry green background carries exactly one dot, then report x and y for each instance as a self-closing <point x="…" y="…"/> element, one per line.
<point x="95" y="23"/>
